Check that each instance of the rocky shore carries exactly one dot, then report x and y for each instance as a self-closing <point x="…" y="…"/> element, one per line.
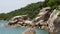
<point x="40" y="21"/>
<point x="44" y="20"/>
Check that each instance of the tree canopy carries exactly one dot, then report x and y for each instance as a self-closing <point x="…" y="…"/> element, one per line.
<point x="31" y="9"/>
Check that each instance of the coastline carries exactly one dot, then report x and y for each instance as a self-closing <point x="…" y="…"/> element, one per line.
<point x="4" y="21"/>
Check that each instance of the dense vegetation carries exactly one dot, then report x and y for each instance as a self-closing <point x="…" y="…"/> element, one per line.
<point x="31" y="10"/>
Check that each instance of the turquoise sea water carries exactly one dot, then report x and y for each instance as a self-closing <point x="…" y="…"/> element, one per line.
<point x="4" y="30"/>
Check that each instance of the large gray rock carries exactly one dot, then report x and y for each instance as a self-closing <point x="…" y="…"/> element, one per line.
<point x="57" y="26"/>
<point x="29" y="31"/>
<point x="50" y="22"/>
<point x="53" y="22"/>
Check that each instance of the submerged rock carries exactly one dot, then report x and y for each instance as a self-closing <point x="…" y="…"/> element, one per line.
<point x="29" y="31"/>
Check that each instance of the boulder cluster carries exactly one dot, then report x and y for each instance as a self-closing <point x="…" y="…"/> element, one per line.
<point x="44" y="20"/>
<point x="40" y="21"/>
<point x="22" y="20"/>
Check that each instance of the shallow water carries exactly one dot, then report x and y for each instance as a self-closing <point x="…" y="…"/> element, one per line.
<point x="4" y="30"/>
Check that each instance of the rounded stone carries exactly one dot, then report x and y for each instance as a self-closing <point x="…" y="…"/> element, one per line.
<point x="29" y="31"/>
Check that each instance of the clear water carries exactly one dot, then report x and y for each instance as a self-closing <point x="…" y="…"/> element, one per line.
<point x="4" y="30"/>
